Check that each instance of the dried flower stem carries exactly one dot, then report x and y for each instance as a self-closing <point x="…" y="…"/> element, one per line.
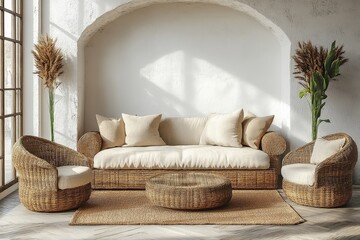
<point x="49" y="64"/>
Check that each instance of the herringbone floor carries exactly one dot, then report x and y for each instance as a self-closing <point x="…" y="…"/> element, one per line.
<point x="16" y="222"/>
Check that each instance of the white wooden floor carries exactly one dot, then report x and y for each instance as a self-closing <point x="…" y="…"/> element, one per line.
<point x="16" y="222"/>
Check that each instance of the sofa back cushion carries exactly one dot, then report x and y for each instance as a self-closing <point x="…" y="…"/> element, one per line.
<point x="182" y="130"/>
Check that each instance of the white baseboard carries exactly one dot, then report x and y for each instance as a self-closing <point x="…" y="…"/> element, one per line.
<point x="11" y="189"/>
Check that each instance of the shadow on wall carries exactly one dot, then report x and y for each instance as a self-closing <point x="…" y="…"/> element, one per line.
<point x="65" y="104"/>
<point x="183" y="59"/>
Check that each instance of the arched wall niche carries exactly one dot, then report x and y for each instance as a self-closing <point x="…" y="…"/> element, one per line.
<point x="92" y="35"/>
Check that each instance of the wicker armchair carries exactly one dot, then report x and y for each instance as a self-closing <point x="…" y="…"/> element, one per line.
<point x="35" y="160"/>
<point x="333" y="176"/>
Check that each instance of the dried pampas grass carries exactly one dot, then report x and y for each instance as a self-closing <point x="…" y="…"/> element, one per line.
<point x="49" y="64"/>
<point x="48" y="61"/>
<point x="310" y="59"/>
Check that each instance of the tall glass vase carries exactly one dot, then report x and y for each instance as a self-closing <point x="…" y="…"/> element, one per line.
<point x="315" y="126"/>
<point x="51" y="111"/>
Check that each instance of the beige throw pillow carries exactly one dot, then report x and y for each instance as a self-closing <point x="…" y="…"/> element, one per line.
<point x="223" y="130"/>
<point x="248" y="114"/>
<point x="324" y="149"/>
<point x="142" y="130"/>
<point x="112" y="131"/>
<point x="254" y="128"/>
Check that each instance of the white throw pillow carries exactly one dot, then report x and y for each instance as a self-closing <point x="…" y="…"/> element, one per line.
<point x="112" y="131"/>
<point x="223" y="130"/>
<point x="324" y="149"/>
<point x="142" y="130"/>
<point x="254" y="128"/>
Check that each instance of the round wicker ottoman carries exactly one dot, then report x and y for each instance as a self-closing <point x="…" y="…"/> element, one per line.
<point x="188" y="191"/>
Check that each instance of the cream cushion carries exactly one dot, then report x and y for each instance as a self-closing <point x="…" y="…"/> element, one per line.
<point x="138" y="157"/>
<point x="254" y="129"/>
<point x="73" y="176"/>
<point x="248" y="114"/>
<point x="182" y="131"/>
<point x="324" y="149"/>
<point x="181" y="157"/>
<point x="112" y="131"/>
<point x="224" y="157"/>
<point x="142" y="130"/>
<point x="223" y="130"/>
<point x="299" y="173"/>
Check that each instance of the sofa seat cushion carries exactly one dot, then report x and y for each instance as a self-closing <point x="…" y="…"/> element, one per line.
<point x="299" y="173"/>
<point x="73" y="176"/>
<point x="181" y="157"/>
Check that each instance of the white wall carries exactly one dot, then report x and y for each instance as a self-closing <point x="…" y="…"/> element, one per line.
<point x="182" y="60"/>
<point x="317" y="20"/>
<point x="28" y="63"/>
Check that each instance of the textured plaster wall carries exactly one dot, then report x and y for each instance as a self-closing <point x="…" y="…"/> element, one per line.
<point x="318" y="20"/>
<point x="182" y="60"/>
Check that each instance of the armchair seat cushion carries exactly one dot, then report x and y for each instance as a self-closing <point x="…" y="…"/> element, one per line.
<point x="73" y="176"/>
<point x="299" y="173"/>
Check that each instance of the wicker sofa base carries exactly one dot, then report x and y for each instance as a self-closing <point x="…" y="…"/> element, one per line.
<point x="324" y="197"/>
<point x="136" y="179"/>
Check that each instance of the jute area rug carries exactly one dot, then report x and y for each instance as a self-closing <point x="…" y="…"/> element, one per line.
<point x="132" y="207"/>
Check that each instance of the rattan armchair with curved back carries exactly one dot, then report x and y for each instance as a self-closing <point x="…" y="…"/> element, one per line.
<point x="333" y="176"/>
<point x="35" y="160"/>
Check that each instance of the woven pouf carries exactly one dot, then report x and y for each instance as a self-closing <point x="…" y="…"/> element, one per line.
<point x="189" y="190"/>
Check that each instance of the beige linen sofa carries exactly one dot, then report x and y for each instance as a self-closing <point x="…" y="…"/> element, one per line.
<point x="129" y="167"/>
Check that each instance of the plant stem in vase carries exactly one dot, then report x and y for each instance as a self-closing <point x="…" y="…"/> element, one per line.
<point x="52" y="111"/>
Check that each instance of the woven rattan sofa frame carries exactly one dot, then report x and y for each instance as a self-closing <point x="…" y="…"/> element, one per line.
<point x="333" y="176"/>
<point x="35" y="160"/>
<point x="272" y="143"/>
